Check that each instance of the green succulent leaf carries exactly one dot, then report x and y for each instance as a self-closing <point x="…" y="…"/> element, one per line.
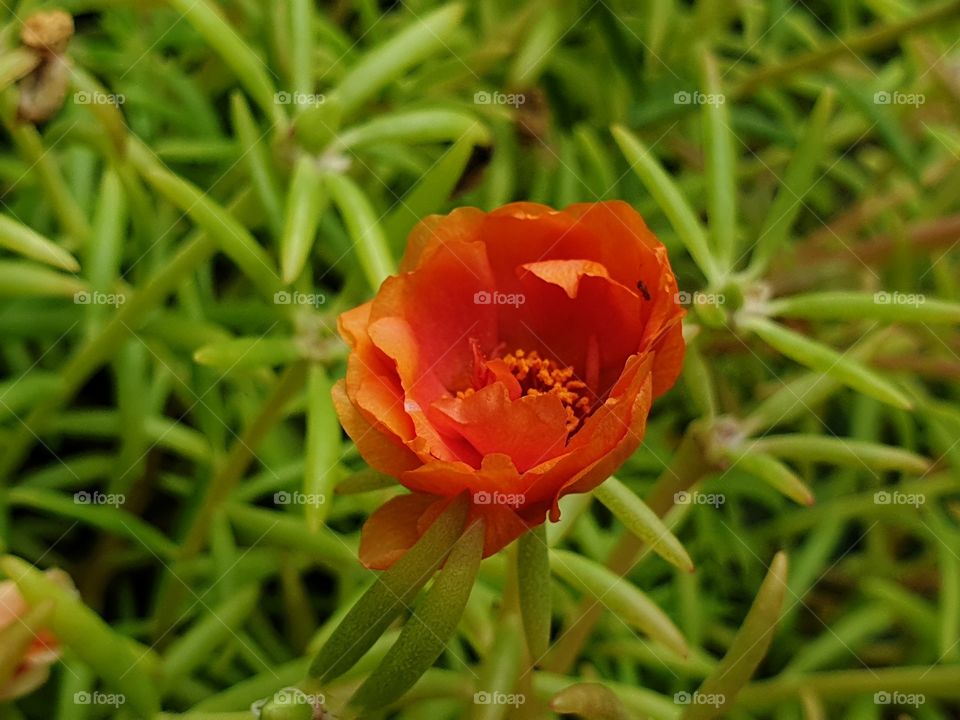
<point x="391" y="593"/>
<point x="427" y="631"/>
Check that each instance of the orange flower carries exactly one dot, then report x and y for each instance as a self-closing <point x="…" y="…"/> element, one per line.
<point x="515" y="357"/>
<point x="34" y="666"/>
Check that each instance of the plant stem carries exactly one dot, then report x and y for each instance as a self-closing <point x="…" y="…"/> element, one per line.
<point x="938" y="681"/>
<point x="874" y="38"/>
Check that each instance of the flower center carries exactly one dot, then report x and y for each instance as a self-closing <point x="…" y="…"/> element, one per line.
<point x="539" y="376"/>
<point x="536" y="376"/>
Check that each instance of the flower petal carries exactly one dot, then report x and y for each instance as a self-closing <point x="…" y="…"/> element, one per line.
<point x="669" y="352"/>
<point x="439" y="303"/>
<point x="393" y="529"/>
<point x="634" y="248"/>
<point x="24" y="682"/>
<point x="384" y="452"/>
<point x="529" y="430"/>
<point x="12" y="604"/>
<point x="497" y="473"/>
<point x="421" y="387"/>
<point x="503" y="526"/>
<point x="605" y="465"/>
<point x="372" y="380"/>
<point x="615" y="428"/>
<point x="565" y="273"/>
<point x="603" y="315"/>
<point x="461" y="225"/>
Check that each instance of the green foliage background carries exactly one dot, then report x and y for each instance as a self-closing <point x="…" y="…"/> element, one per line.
<point x="177" y="240"/>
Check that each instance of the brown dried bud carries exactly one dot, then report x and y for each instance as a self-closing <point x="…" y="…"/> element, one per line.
<point x="48" y="31"/>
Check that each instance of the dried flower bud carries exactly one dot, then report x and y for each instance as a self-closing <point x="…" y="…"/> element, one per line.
<point x="48" y="31"/>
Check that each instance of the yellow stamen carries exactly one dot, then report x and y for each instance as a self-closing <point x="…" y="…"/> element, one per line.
<point x="539" y="376"/>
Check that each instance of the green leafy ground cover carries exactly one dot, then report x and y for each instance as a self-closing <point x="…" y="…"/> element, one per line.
<point x="221" y="181"/>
